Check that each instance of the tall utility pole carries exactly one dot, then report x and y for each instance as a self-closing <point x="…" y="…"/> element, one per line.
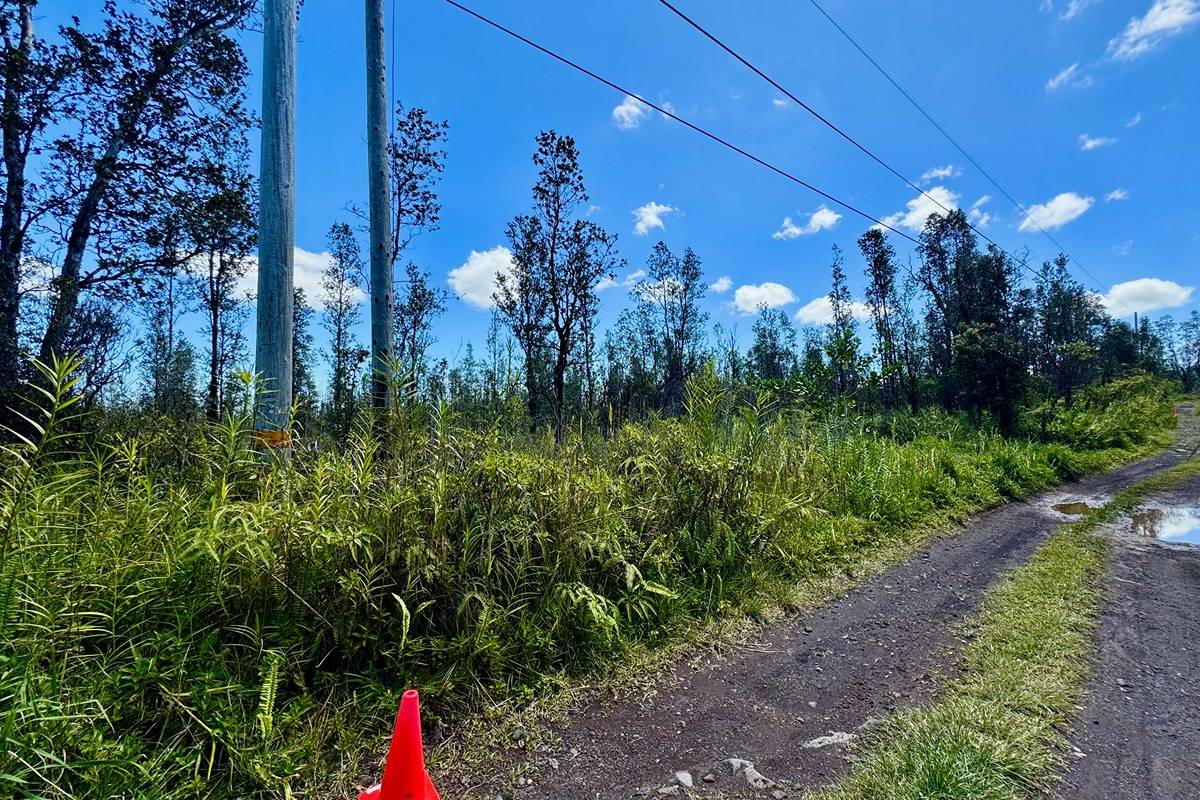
<point x="276" y="225"/>
<point x="379" y="187"/>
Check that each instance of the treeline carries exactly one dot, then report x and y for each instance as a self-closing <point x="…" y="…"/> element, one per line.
<point x="129" y="208"/>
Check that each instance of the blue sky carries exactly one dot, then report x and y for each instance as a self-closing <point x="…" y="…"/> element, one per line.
<point x="1086" y="108"/>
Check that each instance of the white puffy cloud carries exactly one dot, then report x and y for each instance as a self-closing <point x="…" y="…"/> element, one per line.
<point x="475" y="281"/>
<point x="921" y="206"/>
<point x="721" y="285"/>
<point x="940" y="173"/>
<point x="649" y="217"/>
<point x="751" y="297"/>
<point x="1055" y="213"/>
<point x="978" y="217"/>
<point x="628" y="282"/>
<point x="819" y="311"/>
<point x="307" y="269"/>
<point x="818" y="220"/>
<point x="1144" y="295"/>
<point x="1116" y="194"/>
<point x="1166" y="18"/>
<point x="1134" y="121"/>
<point x="1069" y="78"/>
<point x="1092" y="142"/>
<point x="630" y="113"/>
<point x="779" y="102"/>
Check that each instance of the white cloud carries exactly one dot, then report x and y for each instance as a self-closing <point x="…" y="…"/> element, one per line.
<point x="668" y="107"/>
<point x="1124" y="248"/>
<point x="779" y="102"/>
<point x="630" y="113"/>
<point x="818" y="221"/>
<point x="1166" y="18"/>
<point x="1055" y="213"/>
<point x="723" y="284"/>
<point x="1092" y="142"/>
<point x="1116" y="194"/>
<point x="306" y="274"/>
<point x="628" y="282"/>
<point x="819" y="311"/>
<point x="939" y="173"/>
<point x="978" y="217"/>
<point x="1134" y="121"/>
<point x="1069" y="78"/>
<point x="921" y="206"/>
<point x="1074" y="8"/>
<point x="1145" y="294"/>
<point x="475" y="281"/>
<point x="749" y="298"/>
<point x="649" y="217"/>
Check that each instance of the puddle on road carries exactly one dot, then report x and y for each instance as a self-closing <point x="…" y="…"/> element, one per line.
<point x="1073" y="509"/>
<point x="1180" y="525"/>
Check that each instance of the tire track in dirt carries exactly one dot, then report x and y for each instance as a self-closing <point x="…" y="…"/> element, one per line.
<point x="1139" y="733"/>
<point x="832" y="670"/>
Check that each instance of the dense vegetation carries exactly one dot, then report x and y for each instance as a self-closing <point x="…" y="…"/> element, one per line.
<point x="182" y="617"/>
<point x="181" y="620"/>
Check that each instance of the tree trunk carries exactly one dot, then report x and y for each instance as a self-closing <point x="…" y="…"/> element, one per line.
<point x="560" y="383"/>
<point x="212" y="406"/>
<point x="12" y="231"/>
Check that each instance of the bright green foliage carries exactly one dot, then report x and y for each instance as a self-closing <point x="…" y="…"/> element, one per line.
<point x="181" y="619"/>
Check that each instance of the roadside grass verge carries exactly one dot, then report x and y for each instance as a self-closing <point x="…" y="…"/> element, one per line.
<point x="995" y="733"/>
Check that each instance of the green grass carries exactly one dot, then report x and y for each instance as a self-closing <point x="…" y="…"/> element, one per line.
<point x="995" y="734"/>
<point x="179" y="619"/>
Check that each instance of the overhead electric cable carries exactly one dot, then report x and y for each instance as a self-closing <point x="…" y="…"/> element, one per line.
<point x="955" y="143"/>
<point x="672" y="115"/>
<point x="745" y="62"/>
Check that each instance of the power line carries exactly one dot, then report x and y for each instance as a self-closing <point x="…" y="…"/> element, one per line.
<point x="738" y="56"/>
<point x="955" y="143"/>
<point x="672" y="115"/>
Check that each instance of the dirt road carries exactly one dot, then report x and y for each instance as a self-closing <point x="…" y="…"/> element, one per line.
<point x="1139" y="734"/>
<point x="784" y="703"/>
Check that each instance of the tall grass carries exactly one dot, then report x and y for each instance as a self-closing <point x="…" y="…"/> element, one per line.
<point x="180" y="619"/>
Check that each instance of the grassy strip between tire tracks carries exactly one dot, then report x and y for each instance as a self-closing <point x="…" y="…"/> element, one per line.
<point x="996" y="731"/>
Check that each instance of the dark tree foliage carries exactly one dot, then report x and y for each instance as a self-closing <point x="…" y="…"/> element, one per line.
<point x="305" y="397"/>
<point x="842" y="343"/>
<point x="156" y="86"/>
<point x="417" y="306"/>
<point x="341" y="295"/>
<point x="550" y="299"/>
<point x="772" y="356"/>
<point x="220" y="222"/>
<point x="882" y="297"/>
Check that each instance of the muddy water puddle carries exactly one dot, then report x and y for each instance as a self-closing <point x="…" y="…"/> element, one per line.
<point x="1076" y="508"/>
<point x="1180" y="525"/>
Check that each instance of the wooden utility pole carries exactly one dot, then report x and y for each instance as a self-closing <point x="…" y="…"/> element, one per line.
<point x="379" y="188"/>
<point x="276" y="225"/>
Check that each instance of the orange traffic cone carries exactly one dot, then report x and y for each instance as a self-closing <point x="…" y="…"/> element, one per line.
<point x="404" y="775"/>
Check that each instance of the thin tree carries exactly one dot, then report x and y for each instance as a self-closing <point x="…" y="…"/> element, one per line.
<point x="672" y="293"/>
<point x="557" y="262"/>
<point x="420" y="305"/>
<point x="882" y="297"/>
<point x="341" y="296"/>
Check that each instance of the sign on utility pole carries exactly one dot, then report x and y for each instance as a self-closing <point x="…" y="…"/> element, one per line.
<point x="379" y="188"/>
<point x="276" y="226"/>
